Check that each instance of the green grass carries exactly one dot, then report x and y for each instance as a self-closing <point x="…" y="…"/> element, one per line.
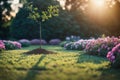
<point x="64" y="65"/>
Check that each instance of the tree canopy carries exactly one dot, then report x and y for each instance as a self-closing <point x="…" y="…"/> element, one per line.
<point x="76" y="17"/>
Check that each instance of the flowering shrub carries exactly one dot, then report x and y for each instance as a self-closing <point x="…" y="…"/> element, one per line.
<point x="17" y="44"/>
<point x="55" y="42"/>
<point x="101" y="46"/>
<point x="2" y="46"/>
<point x="38" y="42"/>
<point x="114" y="56"/>
<point x="9" y="45"/>
<point x="69" y="46"/>
<point x="78" y="45"/>
<point x="63" y="43"/>
<point x="69" y="41"/>
<point x="24" y="42"/>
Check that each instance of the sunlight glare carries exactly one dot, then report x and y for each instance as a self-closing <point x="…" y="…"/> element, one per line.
<point x="98" y="3"/>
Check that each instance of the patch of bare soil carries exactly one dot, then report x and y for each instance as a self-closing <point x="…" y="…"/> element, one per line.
<point x="39" y="51"/>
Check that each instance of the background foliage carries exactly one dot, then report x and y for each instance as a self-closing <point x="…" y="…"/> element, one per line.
<point x="73" y="21"/>
<point x="57" y="27"/>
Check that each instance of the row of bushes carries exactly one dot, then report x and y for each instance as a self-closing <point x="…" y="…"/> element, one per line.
<point x="10" y="45"/>
<point x="38" y="42"/>
<point x="106" y="47"/>
<point x="100" y="46"/>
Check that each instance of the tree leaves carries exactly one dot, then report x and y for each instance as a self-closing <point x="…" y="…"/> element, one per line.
<point x="51" y="11"/>
<point x="45" y="15"/>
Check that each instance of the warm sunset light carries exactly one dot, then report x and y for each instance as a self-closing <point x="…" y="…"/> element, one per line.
<point x="60" y="40"/>
<point x="98" y="3"/>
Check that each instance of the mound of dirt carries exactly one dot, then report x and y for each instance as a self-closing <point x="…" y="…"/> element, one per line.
<point x="39" y="51"/>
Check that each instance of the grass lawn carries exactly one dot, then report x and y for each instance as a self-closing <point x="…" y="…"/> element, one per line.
<point x="64" y="65"/>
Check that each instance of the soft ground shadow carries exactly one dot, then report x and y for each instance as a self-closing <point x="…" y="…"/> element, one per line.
<point x="99" y="65"/>
<point x="34" y="70"/>
<point x="89" y="58"/>
<point x="112" y="74"/>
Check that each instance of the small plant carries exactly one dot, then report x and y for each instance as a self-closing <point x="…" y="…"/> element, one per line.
<point x="17" y="44"/>
<point x="52" y="11"/>
<point x="54" y="41"/>
<point x="24" y="42"/>
<point x="69" y="46"/>
<point x="63" y="43"/>
<point x="38" y="42"/>
<point x="9" y="45"/>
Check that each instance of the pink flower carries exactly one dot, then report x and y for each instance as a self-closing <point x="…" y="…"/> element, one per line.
<point x="112" y="58"/>
<point x="114" y="49"/>
<point x="2" y="46"/>
<point x="98" y="50"/>
<point x="17" y="44"/>
<point x="119" y="51"/>
<point x="109" y="54"/>
<point x="112" y="54"/>
<point x="108" y="48"/>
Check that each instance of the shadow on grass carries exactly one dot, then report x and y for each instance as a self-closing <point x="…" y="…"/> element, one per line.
<point x="35" y="69"/>
<point x="90" y="58"/>
<point x="109" y="74"/>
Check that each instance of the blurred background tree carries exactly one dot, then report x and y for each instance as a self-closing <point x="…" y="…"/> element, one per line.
<point x="8" y="10"/>
<point x="77" y="17"/>
<point x="104" y="20"/>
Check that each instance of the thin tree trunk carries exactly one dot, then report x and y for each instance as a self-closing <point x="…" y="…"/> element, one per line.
<point x="40" y="36"/>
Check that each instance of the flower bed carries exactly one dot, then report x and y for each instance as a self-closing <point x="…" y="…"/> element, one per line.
<point x="11" y="45"/>
<point x="100" y="46"/>
<point x="78" y="45"/>
<point x="114" y="56"/>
